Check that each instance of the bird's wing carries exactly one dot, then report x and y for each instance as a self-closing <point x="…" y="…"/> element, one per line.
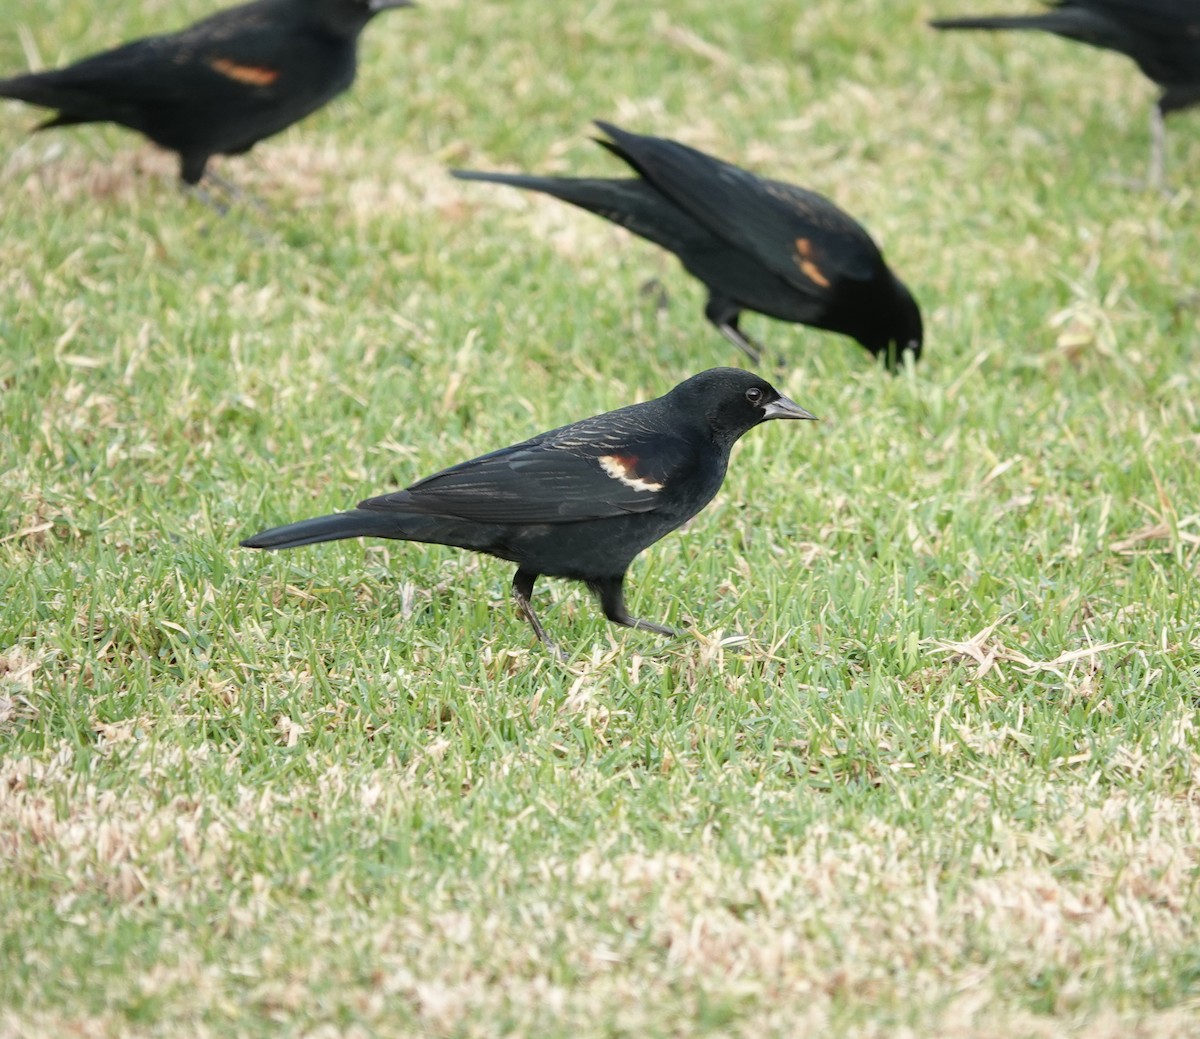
<point x="798" y="235"/>
<point x="132" y="73"/>
<point x="586" y="471"/>
<point x="235" y="48"/>
<point x="1162" y="36"/>
<point x="631" y="203"/>
<point x="245" y="46"/>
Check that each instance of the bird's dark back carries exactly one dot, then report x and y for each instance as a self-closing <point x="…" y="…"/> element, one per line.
<point x="1162" y="36"/>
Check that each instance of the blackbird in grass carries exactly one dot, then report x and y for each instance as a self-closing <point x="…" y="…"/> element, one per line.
<point x="756" y="244"/>
<point x="580" y="501"/>
<point x="1162" y="36"/>
<point x="217" y="87"/>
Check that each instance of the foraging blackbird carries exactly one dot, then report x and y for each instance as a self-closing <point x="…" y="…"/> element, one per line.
<point x="579" y="501"/>
<point x="756" y="244"/>
<point x="1162" y="36"/>
<point x="217" y="87"/>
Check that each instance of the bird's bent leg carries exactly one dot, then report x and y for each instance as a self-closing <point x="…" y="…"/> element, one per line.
<point x="742" y="341"/>
<point x="724" y="314"/>
<point x="201" y="194"/>
<point x="522" y="589"/>
<point x="1156" y="174"/>
<point x="611" y="592"/>
<point x="1156" y="167"/>
<point x="239" y="195"/>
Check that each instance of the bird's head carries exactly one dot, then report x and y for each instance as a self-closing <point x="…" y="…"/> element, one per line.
<point x="899" y="330"/>
<point x="347" y="17"/>
<point x="733" y="401"/>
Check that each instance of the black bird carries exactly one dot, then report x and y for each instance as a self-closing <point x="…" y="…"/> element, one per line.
<point x="756" y="244"/>
<point x="1162" y="36"/>
<point x="580" y="501"/>
<point x="217" y="87"/>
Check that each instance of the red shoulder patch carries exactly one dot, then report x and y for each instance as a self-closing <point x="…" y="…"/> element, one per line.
<point x="624" y="468"/>
<point x="805" y="262"/>
<point x="251" y="75"/>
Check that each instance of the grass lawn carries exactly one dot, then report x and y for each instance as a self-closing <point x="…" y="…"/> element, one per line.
<point x="930" y="764"/>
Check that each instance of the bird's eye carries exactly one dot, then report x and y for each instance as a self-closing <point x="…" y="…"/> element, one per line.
<point x="754" y="395"/>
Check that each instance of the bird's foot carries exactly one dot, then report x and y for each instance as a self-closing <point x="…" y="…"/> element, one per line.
<point x="556" y="651"/>
<point x="655" y="291"/>
<point x="1155" y="181"/>
<point x="1148" y="185"/>
<point x="235" y="193"/>
<point x="626" y="621"/>
<point x="232" y="195"/>
<point x="522" y="590"/>
<point x="742" y="341"/>
<point x="202" y="195"/>
<point x="641" y="625"/>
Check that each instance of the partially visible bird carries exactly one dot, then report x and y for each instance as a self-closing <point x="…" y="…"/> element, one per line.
<point x="580" y="501"/>
<point x="756" y="244"/>
<point x="217" y="87"/>
<point x="1162" y="36"/>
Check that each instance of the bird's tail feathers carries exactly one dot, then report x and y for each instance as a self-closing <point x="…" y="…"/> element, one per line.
<point x="38" y="88"/>
<point x="1062" y="22"/>
<point x="34" y="88"/>
<point x="587" y="192"/>
<point x="618" y="148"/>
<point x="64" y="119"/>
<point x="627" y="201"/>
<point x="334" y="527"/>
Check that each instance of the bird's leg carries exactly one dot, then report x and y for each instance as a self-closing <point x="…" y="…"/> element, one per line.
<point x="655" y="290"/>
<point x="202" y="195"/>
<point x="198" y="176"/>
<point x="724" y="314"/>
<point x="193" y="172"/>
<point x="522" y="589"/>
<point x="611" y="592"/>
<point x="234" y="192"/>
<point x="752" y="347"/>
<point x="1156" y="173"/>
<point x="1156" y="168"/>
<point x="742" y="341"/>
<point x="226" y="185"/>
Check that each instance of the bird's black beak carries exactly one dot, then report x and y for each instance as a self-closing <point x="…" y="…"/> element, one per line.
<point x="785" y="407"/>
<point x="375" y="6"/>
